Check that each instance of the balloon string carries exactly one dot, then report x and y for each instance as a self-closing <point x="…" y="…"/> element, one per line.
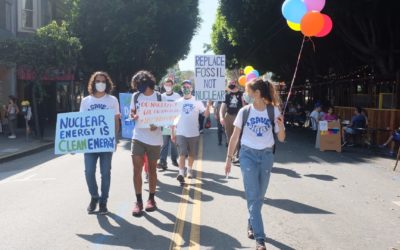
<point x="294" y="75"/>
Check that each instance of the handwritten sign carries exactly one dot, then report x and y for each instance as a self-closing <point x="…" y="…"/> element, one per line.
<point x="157" y="113"/>
<point x="323" y="126"/>
<point x="127" y="125"/>
<point x="210" y="77"/>
<point x="85" y="132"/>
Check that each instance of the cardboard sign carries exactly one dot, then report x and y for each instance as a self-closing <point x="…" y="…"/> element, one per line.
<point x="127" y="124"/>
<point x="210" y="77"/>
<point x="157" y="113"/>
<point x="85" y="132"/>
<point x="330" y="138"/>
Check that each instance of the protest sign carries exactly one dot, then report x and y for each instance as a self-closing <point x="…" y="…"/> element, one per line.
<point x="210" y="77"/>
<point x="127" y="125"/>
<point x="157" y="113"/>
<point x="85" y="132"/>
<point x="323" y="126"/>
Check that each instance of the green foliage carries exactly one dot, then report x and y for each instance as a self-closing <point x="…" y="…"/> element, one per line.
<point x="124" y="36"/>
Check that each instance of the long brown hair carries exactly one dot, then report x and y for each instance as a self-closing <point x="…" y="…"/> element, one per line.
<point x="267" y="90"/>
<point x="91" y="84"/>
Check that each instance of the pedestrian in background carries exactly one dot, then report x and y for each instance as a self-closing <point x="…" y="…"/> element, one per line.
<point x="99" y="87"/>
<point x="254" y="129"/>
<point x="12" y="112"/>
<point x="220" y="128"/>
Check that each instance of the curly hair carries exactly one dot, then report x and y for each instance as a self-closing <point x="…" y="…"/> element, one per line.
<point x="143" y="77"/>
<point x="92" y="84"/>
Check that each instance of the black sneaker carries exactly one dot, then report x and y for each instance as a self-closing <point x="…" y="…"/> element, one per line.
<point x="103" y="209"/>
<point x="260" y="245"/>
<point x="92" y="206"/>
<point x="175" y="163"/>
<point x="181" y="179"/>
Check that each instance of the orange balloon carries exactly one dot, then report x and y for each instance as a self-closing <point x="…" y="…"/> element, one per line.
<point x="312" y="23"/>
<point x="242" y="81"/>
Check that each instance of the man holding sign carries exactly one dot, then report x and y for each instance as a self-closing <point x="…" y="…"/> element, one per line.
<point x="145" y="140"/>
<point x="186" y="134"/>
<point x="99" y="100"/>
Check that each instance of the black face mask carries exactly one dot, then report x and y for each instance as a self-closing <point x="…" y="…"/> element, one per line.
<point x="232" y="86"/>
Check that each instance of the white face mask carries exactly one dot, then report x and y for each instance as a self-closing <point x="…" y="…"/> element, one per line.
<point x="248" y="99"/>
<point x="101" y="86"/>
<point x="168" y="88"/>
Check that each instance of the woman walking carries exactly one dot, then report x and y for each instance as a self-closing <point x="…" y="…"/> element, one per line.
<point x="254" y="128"/>
<point x="12" y="112"/>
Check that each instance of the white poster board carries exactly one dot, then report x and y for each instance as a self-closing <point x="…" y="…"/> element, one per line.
<point x="209" y="76"/>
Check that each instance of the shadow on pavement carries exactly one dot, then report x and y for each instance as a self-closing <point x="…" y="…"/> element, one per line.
<point x="278" y="244"/>
<point x="294" y="206"/>
<point x="322" y="177"/>
<point x="285" y="171"/>
<point x="125" y="234"/>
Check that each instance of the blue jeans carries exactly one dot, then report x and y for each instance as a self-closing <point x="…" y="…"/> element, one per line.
<point x="256" y="166"/>
<point x="167" y="142"/>
<point x="105" y="170"/>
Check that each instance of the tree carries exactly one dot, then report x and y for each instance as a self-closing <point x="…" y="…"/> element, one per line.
<point x="52" y="47"/>
<point x="124" y="36"/>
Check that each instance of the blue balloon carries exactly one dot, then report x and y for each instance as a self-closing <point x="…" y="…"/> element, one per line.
<point x="255" y="72"/>
<point x="294" y="10"/>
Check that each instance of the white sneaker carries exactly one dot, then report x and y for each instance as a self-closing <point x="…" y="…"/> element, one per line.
<point x="189" y="173"/>
<point x="12" y="137"/>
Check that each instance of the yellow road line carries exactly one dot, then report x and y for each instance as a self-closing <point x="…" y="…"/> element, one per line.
<point x="177" y="236"/>
<point x="196" y="212"/>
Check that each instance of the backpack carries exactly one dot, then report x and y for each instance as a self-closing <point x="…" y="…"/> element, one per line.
<point x="271" y="115"/>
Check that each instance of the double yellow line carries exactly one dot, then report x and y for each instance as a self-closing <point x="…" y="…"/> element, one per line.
<point x="177" y="239"/>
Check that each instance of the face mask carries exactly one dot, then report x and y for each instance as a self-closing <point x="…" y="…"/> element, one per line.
<point x="101" y="86"/>
<point x="248" y="99"/>
<point x="186" y="91"/>
<point x="168" y="88"/>
<point x="232" y="87"/>
<point x="142" y="88"/>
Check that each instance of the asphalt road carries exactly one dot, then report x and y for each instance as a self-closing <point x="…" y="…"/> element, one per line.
<point x="315" y="201"/>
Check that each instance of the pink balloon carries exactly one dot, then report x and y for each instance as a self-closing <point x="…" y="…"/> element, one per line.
<point x="250" y="77"/>
<point x="316" y="5"/>
<point x="328" y="24"/>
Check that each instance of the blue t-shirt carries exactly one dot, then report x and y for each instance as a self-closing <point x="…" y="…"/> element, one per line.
<point x="358" y="121"/>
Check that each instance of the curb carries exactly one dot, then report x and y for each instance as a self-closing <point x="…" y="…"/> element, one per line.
<point x="27" y="152"/>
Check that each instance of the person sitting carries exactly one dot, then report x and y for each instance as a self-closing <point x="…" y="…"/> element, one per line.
<point x="395" y="136"/>
<point x="330" y="116"/>
<point x="357" y="122"/>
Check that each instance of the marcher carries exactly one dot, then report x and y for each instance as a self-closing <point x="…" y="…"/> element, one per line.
<point x="186" y="134"/>
<point x="254" y="128"/>
<point x="229" y="109"/>
<point x="99" y="87"/>
<point x="12" y="112"/>
<point x="145" y="141"/>
<point x="220" y="128"/>
<point x="169" y="96"/>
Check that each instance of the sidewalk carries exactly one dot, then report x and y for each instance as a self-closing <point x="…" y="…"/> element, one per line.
<point x="14" y="148"/>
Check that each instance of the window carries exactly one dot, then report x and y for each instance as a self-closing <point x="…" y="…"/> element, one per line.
<point x="46" y="12"/>
<point x="8" y="16"/>
<point x="27" y="14"/>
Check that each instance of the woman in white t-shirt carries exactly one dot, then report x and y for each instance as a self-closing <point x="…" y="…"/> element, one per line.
<point x="100" y="86"/>
<point x="256" y="152"/>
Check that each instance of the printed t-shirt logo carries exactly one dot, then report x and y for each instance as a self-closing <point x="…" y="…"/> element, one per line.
<point x="97" y="106"/>
<point x="187" y="108"/>
<point x="259" y="125"/>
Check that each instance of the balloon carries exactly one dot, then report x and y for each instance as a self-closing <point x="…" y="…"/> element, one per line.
<point x="248" y="69"/>
<point x="255" y="72"/>
<point x="314" y="5"/>
<point x="327" y="26"/>
<point x="312" y="23"/>
<point x="294" y="26"/>
<point x="294" y="10"/>
<point x="242" y="81"/>
<point x="250" y="77"/>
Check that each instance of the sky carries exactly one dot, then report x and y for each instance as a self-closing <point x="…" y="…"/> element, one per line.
<point x="208" y="10"/>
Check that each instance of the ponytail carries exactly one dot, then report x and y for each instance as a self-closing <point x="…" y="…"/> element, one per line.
<point x="267" y="90"/>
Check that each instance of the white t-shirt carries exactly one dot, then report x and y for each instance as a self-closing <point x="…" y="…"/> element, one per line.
<point x="257" y="133"/>
<point x="188" y="121"/>
<point x="91" y="102"/>
<point x="314" y="122"/>
<point x="145" y="135"/>
<point x="169" y="98"/>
